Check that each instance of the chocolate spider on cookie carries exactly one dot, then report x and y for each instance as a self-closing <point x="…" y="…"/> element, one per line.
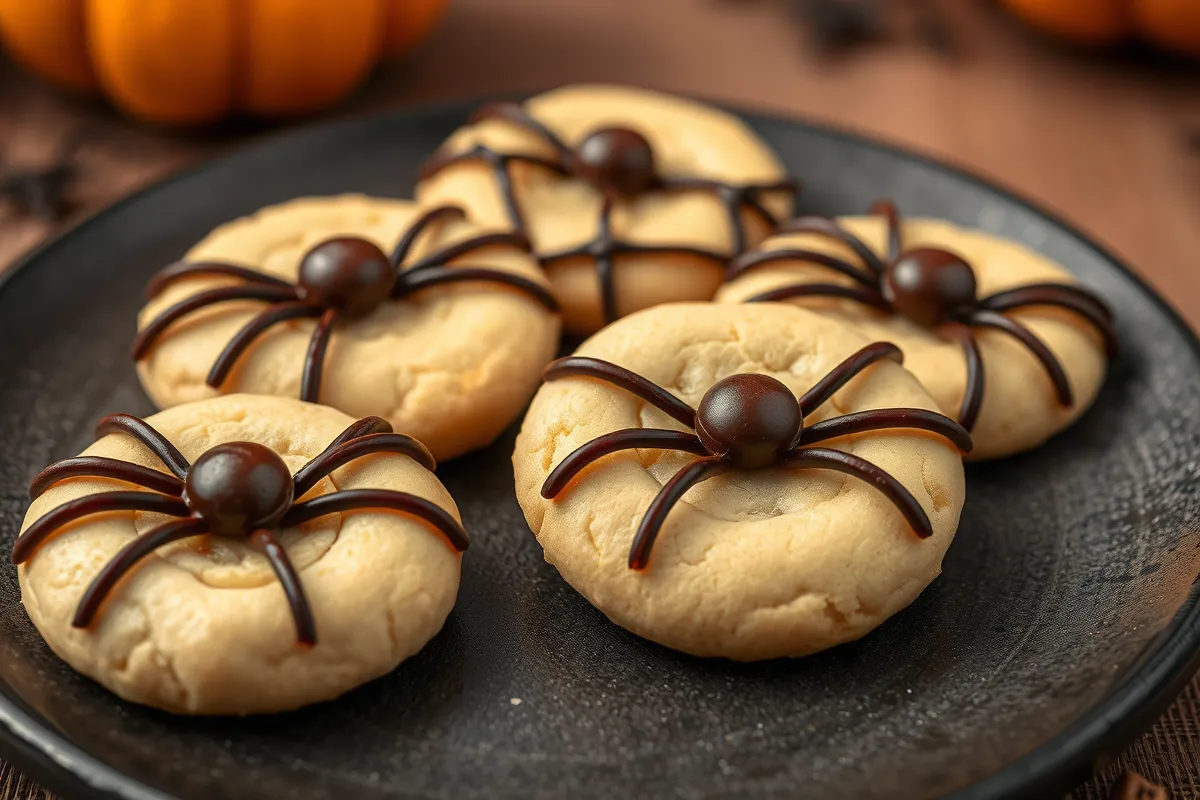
<point x="240" y="555"/>
<point x="631" y="198"/>
<point x="1002" y="338"/>
<point x="762" y="482"/>
<point x="368" y="305"/>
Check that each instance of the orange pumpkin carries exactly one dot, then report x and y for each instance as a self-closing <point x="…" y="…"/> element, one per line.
<point x="194" y="61"/>
<point x="1170" y="24"/>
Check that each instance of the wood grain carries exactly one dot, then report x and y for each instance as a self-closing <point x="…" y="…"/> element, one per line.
<point x="1099" y="140"/>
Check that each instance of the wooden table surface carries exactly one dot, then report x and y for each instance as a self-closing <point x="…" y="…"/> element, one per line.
<point x="1102" y="141"/>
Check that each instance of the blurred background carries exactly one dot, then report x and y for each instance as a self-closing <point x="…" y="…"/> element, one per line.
<point x="1091" y="108"/>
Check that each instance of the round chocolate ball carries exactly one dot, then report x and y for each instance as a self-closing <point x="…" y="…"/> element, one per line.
<point x="347" y="273"/>
<point x="750" y="419"/>
<point x="239" y="487"/>
<point x="616" y="160"/>
<point x="928" y="285"/>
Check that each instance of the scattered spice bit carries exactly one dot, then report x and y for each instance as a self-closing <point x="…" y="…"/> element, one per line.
<point x="1133" y="786"/>
<point x="1191" y="140"/>
<point x="41" y="191"/>
<point x="837" y="26"/>
<point x="934" y="32"/>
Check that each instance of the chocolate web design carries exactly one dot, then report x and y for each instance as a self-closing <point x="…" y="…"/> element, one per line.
<point x="620" y="164"/>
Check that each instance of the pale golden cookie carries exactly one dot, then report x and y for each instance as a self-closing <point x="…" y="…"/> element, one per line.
<point x="201" y="625"/>
<point x="450" y="365"/>
<point x="754" y="563"/>
<point x="561" y="209"/>
<point x="1020" y="406"/>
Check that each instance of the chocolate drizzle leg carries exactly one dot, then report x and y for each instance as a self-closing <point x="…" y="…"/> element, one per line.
<point x="749" y="421"/>
<point x="500" y="163"/>
<point x="306" y="626"/>
<point x="604" y="250"/>
<point x="891" y="218"/>
<point x="1058" y="376"/>
<point x="125" y="559"/>
<point x="936" y="289"/>
<point x="670" y="494"/>
<point x="154" y="441"/>
<point x="314" y="358"/>
<point x="101" y="467"/>
<point x="435" y="270"/>
<point x="340" y="278"/>
<point x="972" y="401"/>
<point x="603" y="256"/>
<point x="620" y="164"/>
<point x="237" y="490"/>
<point x="516" y="114"/>
<point x="242" y="340"/>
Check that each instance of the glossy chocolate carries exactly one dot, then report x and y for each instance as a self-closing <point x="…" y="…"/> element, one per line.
<point x="340" y="278"/>
<point x="936" y="289"/>
<point x="616" y="160"/>
<point x="749" y="421"/>
<point x="236" y="489"/>
<point x="929" y="286"/>
<point x="349" y="274"/>
<point x="620" y="163"/>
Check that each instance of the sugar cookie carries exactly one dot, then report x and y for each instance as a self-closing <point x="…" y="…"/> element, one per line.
<point x="301" y="300"/>
<point x="1000" y="336"/>
<point x="631" y="198"/>
<point x="784" y="549"/>
<point x="180" y="564"/>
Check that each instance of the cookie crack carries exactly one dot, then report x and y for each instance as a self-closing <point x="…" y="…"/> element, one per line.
<point x="159" y="657"/>
<point x="937" y="493"/>
<point x="750" y="617"/>
<point x="548" y="447"/>
<point x="835" y="614"/>
<point x="400" y="602"/>
<point x="590" y="532"/>
<point x="391" y="631"/>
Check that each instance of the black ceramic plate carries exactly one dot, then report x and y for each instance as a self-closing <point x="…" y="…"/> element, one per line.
<point x="1064" y="621"/>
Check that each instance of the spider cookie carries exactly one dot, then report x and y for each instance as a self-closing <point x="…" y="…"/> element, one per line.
<point x="240" y="555"/>
<point x="364" y="304"/>
<point x="631" y="198"/>
<point x="762" y="482"/>
<point x="1000" y="336"/>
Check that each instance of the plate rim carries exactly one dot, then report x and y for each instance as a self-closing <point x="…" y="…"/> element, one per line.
<point x="1155" y="679"/>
